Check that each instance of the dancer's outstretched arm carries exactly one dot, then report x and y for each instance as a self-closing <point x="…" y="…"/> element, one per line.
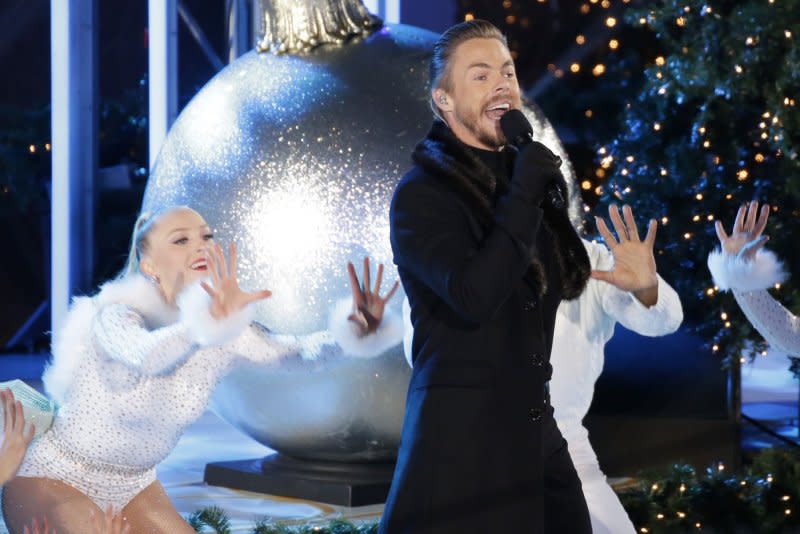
<point x="743" y="266"/>
<point x="632" y="292"/>
<point x="359" y="327"/>
<point x="121" y="331"/>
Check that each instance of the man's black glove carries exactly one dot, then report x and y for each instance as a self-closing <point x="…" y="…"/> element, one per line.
<point x="535" y="168"/>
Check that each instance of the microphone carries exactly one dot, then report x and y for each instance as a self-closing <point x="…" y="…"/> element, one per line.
<point x="518" y="132"/>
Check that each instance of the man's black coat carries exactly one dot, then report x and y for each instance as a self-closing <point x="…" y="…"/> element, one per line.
<point x="484" y="272"/>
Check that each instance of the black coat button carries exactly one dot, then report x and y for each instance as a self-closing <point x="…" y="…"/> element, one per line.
<point x="537" y="359"/>
<point x="529" y="305"/>
<point x="535" y="414"/>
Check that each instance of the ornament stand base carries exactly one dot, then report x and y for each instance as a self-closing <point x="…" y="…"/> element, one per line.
<point x="339" y="483"/>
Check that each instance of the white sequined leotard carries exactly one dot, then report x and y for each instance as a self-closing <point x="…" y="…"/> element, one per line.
<point x="130" y="374"/>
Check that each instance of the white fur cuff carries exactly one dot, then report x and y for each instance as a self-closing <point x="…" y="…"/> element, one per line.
<point x="194" y="302"/>
<point x="734" y="272"/>
<point x="347" y="334"/>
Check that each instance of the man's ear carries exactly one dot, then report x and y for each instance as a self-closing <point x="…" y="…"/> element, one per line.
<point x="442" y="100"/>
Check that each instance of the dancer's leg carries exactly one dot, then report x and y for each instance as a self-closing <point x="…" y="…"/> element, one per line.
<point x="67" y="509"/>
<point x="151" y="512"/>
<point x="606" y="511"/>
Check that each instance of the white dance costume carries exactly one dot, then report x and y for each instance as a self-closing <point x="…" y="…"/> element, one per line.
<point x="749" y="281"/>
<point x="130" y="374"/>
<point x="582" y="328"/>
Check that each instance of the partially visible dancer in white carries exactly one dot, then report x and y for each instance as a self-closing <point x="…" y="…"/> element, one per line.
<point x="136" y="364"/>
<point x="16" y="438"/>
<point x="625" y="288"/>
<point x="744" y="267"/>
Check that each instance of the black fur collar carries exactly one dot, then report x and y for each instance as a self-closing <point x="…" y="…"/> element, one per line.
<point x="442" y="154"/>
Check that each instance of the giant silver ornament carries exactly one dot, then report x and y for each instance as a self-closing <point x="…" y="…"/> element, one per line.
<point x="295" y="158"/>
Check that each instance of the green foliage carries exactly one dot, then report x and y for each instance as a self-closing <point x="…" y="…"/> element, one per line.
<point x="212" y="517"/>
<point x="679" y="499"/>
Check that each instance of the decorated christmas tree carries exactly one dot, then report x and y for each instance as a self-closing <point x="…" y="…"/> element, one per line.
<point x="715" y="124"/>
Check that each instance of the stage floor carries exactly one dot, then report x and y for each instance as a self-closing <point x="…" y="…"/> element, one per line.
<point x="211" y="439"/>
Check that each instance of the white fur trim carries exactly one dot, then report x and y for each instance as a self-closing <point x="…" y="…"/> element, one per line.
<point x="69" y="346"/>
<point x="735" y="272"/>
<point x="347" y="335"/>
<point x="70" y="343"/>
<point x="193" y="303"/>
<point x="140" y="294"/>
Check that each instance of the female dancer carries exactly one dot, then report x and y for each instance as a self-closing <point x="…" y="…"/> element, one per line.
<point x="744" y="267"/>
<point x="136" y="364"/>
<point x="625" y="288"/>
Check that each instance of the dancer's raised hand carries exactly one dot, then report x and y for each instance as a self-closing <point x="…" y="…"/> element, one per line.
<point x="226" y="295"/>
<point x="634" y="263"/>
<point x="745" y="238"/>
<point x="368" y="305"/>
<point x="15" y="438"/>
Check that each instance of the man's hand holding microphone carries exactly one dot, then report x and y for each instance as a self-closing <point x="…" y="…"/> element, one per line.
<point x="537" y="171"/>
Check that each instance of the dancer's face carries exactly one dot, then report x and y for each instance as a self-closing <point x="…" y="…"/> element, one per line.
<point x="176" y="251"/>
<point x="481" y="86"/>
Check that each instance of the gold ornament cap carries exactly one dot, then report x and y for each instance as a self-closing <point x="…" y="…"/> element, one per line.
<point x="297" y="26"/>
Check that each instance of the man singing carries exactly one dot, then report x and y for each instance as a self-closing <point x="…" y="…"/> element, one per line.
<point x="485" y="255"/>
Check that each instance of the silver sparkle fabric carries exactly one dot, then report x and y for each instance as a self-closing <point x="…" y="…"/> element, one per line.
<point x="295" y="158"/>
